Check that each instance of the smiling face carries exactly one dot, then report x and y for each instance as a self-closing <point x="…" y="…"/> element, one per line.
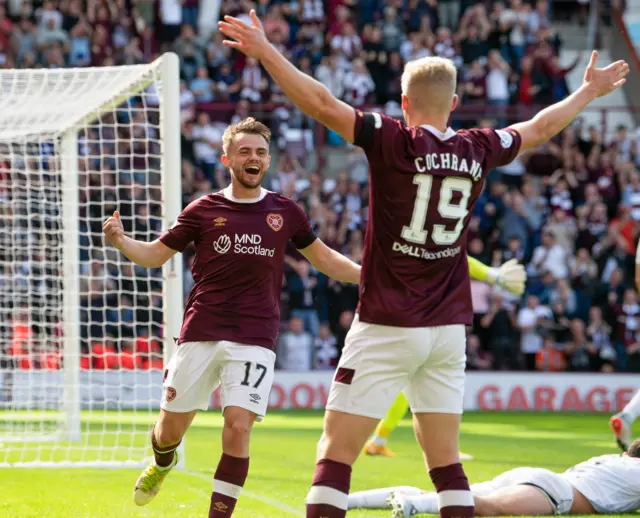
<point x="246" y="152"/>
<point x="248" y="159"/>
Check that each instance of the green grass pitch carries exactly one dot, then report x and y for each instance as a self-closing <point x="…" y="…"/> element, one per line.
<point x="282" y="463"/>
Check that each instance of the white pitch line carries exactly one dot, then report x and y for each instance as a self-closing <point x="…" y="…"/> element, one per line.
<point x="255" y="496"/>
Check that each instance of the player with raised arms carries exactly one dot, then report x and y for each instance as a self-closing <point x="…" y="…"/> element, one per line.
<point x="415" y="295"/>
<point x="601" y="485"/>
<point x="232" y="315"/>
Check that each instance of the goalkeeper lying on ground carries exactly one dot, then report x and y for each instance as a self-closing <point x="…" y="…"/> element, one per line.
<point x="601" y="485"/>
<point x="510" y="276"/>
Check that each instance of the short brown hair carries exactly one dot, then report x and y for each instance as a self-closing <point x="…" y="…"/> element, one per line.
<point x="634" y="449"/>
<point x="248" y="125"/>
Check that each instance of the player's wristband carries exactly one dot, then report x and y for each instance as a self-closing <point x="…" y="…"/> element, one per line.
<point x="492" y="275"/>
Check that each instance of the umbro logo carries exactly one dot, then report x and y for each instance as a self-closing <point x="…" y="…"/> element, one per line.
<point x="255" y="398"/>
<point x="221" y="506"/>
<point x="220" y="221"/>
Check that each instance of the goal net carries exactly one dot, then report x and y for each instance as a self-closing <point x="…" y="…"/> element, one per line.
<point x="83" y="331"/>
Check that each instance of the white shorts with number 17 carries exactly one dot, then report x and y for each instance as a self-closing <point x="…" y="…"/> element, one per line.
<point x="378" y="362"/>
<point x="244" y="374"/>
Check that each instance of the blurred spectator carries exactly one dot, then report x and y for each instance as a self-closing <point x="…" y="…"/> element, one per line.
<point x="325" y="350"/>
<point x="500" y="324"/>
<point x="530" y="318"/>
<point x="549" y="257"/>
<point x="295" y="351"/>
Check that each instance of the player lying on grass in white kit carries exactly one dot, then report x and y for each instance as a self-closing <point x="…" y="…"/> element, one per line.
<point x="232" y="315"/>
<point x="601" y="485"/>
<point x="415" y="293"/>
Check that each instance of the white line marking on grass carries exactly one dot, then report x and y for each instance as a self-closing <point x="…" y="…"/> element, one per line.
<point x="255" y="496"/>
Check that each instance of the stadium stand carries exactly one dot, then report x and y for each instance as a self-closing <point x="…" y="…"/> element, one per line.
<point x="569" y="210"/>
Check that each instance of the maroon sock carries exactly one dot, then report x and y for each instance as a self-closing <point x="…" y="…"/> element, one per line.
<point x="455" y="499"/>
<point x="329" y="492"/>
<point x="227" y="484"/>
<point x="163" y="454"/>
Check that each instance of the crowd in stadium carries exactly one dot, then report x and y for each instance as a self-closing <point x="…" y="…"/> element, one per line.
<point x="568" y="210"/>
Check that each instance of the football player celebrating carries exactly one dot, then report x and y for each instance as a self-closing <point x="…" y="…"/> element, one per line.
<point x="602" y="485"/>
<point x="232" y="315"/>
<point x="415" y="293"/>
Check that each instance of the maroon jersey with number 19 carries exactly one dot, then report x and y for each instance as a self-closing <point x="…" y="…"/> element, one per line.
<point x="423" y="187"/>
<point x="238" y="265"/>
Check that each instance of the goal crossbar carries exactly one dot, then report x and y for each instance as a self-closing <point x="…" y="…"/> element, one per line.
<point x="31" y="98"/>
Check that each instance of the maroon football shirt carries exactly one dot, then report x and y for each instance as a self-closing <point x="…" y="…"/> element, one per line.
<point x="238" y="264"/>
<point x="423" y="187"/>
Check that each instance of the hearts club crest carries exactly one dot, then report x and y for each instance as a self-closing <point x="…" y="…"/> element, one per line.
<point x="275" y="221"/>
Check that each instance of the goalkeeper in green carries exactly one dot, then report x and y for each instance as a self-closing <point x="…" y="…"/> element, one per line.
<point x="512" y="277"/>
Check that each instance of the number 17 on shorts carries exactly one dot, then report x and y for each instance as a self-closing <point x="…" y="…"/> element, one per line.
<point x="244" y="374"/>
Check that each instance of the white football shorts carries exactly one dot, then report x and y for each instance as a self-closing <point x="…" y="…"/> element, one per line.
<point x="196" y="369"/>
<point x="378" y="362"/>
<point x="556" y="490"/>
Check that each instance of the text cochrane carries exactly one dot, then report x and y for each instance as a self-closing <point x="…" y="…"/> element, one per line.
<point x="421" y="253"/>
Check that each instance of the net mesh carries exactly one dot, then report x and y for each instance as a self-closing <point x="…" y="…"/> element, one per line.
<point x="87" y="142"/>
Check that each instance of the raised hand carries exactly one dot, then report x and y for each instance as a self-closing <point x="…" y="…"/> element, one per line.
<point x="248" y="39"/>
<point x="605" y="80"/>
<point x="113" y="229"/>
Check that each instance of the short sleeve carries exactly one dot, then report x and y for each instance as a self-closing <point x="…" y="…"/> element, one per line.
<point x="302" y="235"/>
<point x="502" y="146"/>
<point x="185" y="229"/>
<point x="378" y="135"/>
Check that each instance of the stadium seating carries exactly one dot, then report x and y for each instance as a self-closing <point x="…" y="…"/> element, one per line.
<point x="569" y="210"/>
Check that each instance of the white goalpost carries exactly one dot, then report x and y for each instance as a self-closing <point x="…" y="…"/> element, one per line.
<point x="84" y="333"/>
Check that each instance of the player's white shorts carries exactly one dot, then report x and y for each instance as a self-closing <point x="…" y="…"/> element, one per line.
<point x="557" y="490"/>
<point x="380" y="361"/>
<point x="244" y="373"/>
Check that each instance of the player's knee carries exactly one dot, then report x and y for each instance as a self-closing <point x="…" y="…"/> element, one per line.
<point x="238" y="428"/>
<point x="238" y="421"/>
<point x="167" y="434"/>
<point x="338" y="449"/>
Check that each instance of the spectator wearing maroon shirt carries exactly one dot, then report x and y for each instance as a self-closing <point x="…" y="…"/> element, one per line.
<point x="232" y="315"/>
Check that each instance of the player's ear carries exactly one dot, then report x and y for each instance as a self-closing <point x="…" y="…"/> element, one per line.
<point x="404" y="100"/>
<point x="454" y="103"/>
<point x="225" y="160"/>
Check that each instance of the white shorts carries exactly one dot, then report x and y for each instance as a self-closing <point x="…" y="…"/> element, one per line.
<point x="557" y="490"/>
<point x="196" y="369"/>
<point x="378" y="362"/>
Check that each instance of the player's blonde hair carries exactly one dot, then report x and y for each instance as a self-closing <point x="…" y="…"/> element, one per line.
<point x="248" y="125"/>
<point x="430" y="83"/>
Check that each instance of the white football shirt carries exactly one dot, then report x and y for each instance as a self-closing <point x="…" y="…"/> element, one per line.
<point x="610" y="482"/>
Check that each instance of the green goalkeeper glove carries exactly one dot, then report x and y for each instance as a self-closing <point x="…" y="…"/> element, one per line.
<point x="510" y="276"/>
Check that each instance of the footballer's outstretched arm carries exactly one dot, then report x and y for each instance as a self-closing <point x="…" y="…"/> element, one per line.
<point x="149" y="255"/>
<point x="331" y="263"/>
<point x="309" y="95"/>
<point x="552" y="120"/>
